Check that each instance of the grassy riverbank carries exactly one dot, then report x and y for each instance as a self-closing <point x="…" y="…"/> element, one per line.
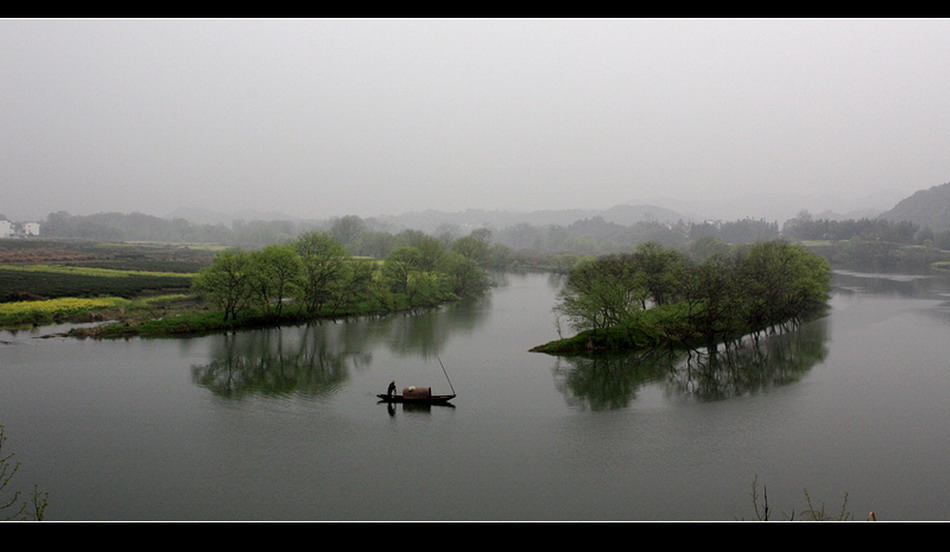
<point x="192" y="316"/>
<point x="170" y="315"/>
<point x="311" y="278"/>
<point x="20" y="314"/>
<point x="656" y="327"/>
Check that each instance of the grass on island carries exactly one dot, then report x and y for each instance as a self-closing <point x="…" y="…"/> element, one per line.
<point x="650" y="328"/>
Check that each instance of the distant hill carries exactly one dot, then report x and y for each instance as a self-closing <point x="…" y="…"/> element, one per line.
<point x="850" y="215"/>
<point x="780" y="207"/>
<point x="429" y="221"/>
<point x="926" y="208"/>
<point x="204" y="216"/>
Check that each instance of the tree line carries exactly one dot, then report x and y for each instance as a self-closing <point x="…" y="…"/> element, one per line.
<point x="597" y="236"/>
<point x="805" y="227"/>
<point x="313" y="275"/>
<point x="657" y="295"/>
<point x="359" y="236"/>
<point x="859" y="242"/>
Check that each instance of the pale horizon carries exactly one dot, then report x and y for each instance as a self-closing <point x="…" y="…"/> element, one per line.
<point x="318" y="118"/>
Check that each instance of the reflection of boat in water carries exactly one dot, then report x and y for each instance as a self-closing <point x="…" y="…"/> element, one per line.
<point x="416" y="395"/>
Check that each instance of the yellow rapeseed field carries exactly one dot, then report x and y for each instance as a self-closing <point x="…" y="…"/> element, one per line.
<point x="31" y="310"/>
<point x="88" y="271"/>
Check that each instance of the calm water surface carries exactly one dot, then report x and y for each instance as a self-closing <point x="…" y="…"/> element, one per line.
<point x="283" y="424"/>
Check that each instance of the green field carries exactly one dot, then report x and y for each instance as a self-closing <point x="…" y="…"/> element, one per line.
<point x="18" y="282"/>
<point x="33" y="269"/>
<point x="153" y="257"/>
<point x="94" y="271"/>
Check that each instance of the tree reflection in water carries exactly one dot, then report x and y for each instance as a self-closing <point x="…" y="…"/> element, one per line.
<point x="611" y="381"/>
<point x="263" y="362"/>
<point x="316" y="359"/>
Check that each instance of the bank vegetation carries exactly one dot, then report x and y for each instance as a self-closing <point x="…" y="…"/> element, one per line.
<point x="314" y="277"/>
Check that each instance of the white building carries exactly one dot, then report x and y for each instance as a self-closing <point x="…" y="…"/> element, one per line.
<point x="18" y="229"/>
<point x="31" y="229"/>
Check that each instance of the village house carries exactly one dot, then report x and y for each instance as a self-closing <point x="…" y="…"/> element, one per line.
<point x="18" y="229"/>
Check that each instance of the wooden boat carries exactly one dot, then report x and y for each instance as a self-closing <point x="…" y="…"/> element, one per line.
<point x="418" y="395"/>
<point x="431" y="399"/>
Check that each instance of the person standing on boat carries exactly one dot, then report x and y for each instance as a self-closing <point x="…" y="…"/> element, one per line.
<point x="391" y="389"/>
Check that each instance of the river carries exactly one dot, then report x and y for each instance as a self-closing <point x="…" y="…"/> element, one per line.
<point x="283" y="424"/>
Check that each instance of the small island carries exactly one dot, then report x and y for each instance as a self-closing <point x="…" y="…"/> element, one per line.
<point x="657" y="297"/>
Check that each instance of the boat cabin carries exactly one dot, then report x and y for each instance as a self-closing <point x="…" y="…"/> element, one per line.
<point x="413" y="392"/>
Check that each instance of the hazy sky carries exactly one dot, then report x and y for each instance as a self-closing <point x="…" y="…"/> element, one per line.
<point x="319" y="118"/>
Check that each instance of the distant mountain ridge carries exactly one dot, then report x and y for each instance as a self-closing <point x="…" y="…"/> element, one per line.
<point x="780" y="207"/>
<point x="926" y="208"/>
<point x="430" y="220"/>
<point x="197" y="215"/>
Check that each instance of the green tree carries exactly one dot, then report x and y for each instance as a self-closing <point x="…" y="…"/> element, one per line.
<point x="425" y="288"/>
<point x="802" y="227"/>
<point x="702" y="248"/>
<point x="227" y="281"/>
<point x="601" y="292"/>
<point x="660" y="271"/>
<point x="275" y="274"/>
<point x="347" y="231"/>
<point x="501" y="255"/>
<point x="565" y="262"/>
<point x="375" y="244"/>
<point x="431" y="252"/>
<point x="781" y="281"/>
<point x="410" y="238"/>
<point x="399" y="264"/>
<point x="714" y="298"/>
<point x="354" y="285"/>
<point x="465" y="277"/>
<point x="322" y="259"/>
<point x="473" y="249"/>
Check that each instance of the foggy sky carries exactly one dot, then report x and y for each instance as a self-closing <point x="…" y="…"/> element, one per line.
<point x="321" y="118"/>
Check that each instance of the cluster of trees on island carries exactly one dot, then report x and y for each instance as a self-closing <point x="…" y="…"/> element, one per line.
<point x="314" y="276"/>
<point x="657" y="296"/>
